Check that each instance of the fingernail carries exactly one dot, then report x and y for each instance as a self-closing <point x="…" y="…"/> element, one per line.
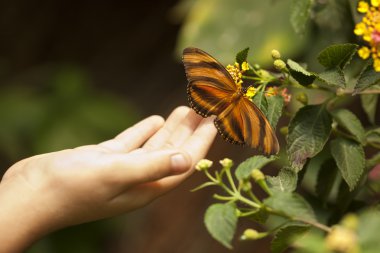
<point x="179" y="163"/>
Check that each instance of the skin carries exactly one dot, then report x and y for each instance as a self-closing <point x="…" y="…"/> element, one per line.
<point x="47" y="192"/>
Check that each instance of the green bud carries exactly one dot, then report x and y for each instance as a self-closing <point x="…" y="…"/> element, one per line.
<point x="284" y="130"/>
<point x="279" y="64"/>
<point x="252" y="234"/>
<point x="203" y="164"/>
<point x="302" y="97"/>
<point x="226" y="163"/>
<point x="246" y="185"/>
<point x="257" y="175"/>
<point x="256" y="66"/>
<point x="275" y="54"/>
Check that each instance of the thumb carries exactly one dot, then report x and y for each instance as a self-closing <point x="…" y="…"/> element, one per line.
<point x="150" y="166"/>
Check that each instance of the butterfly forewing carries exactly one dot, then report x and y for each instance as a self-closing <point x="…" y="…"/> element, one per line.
<point x="210" y="85"/>
<point x="212" y="91"/>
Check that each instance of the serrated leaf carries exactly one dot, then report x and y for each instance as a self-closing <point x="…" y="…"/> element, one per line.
<point x="351" y="123"/>
<point x="373" y="136"/>
<point x="349" y="157"/>
<point x="285" y="181"/>
<point x="368" y="231"/>
<point x="261" y="102"/>
<point x="244" y="169"/>
<point x="337" y="56"/>
<point x="286" y="235"/>
<point x="242" y="56"/>
<point x="369" y="105"/>
<point x="290" y="204"/>
<point x="300" y="14"/>
<point x="309" y="131"/>
<point x="274" y="112"/>
<point x="326" y="178"/>
<point x="367" y="78"/>
<point x="220" y="221"/>
<point x="333" y="77"/>
<point x="301" y="75"/>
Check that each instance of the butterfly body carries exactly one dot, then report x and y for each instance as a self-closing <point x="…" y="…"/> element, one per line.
<point x="212" y="91"/>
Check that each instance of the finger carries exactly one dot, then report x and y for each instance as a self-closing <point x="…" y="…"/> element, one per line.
<point x="174" y="119"/>
<point x="134" y="136"/>
<point x="138" y="168"/>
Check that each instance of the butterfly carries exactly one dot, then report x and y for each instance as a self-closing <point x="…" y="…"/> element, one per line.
<point x="212" y="91"/>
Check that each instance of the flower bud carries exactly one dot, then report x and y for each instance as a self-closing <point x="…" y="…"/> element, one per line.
<point x="279" y="64"/>
<point x="341" y="239"/>
<point x="350" y="221"/>
<point x="203" y="164"/>
<point x="275" y="54"/>
<point x="226" y="163"/>
<point x="257" y="175"/>
<point x="302" y="97"/>
<point x="252" y="234"/>
<point x="246" y="185"/>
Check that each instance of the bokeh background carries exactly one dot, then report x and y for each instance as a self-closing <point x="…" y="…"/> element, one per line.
<point x="79" y="72"/>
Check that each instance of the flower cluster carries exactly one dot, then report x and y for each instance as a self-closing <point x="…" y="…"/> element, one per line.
<point x="369" y="30"/>
<point x="274" y="91"/>
<point x="237" y="72"/>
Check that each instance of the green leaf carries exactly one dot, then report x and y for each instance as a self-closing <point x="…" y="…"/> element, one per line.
<point x="337" y="56"/>
<point x="274" y="112"/>
<point x="309" y="131"/>
<point x="349" y="157"/>
<point x="351" y="123"/>
<point x="221" y="220"/>
<point x="260" y="216"/>
<point x="286" y="235"/>
<point x="301" y="75"/>
<point x="326" y="178"/>
<point x="291" y="205"/>
<point x="261" y="102"/>
<point x="369" y="104"/>
<point x="333" y="77"/>
<point x="285" y="181"/>
<point x="312" y="242"/>
<point x="244" y="169"/>
<point x="242" y="56"/>
<point x="373" y="136"/>
<point x="368" y="231"/>
<point x="367" y="78"/>
<point x="300" y="14"/>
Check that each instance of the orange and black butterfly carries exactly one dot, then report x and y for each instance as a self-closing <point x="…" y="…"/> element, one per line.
<point x="212" y="91"/>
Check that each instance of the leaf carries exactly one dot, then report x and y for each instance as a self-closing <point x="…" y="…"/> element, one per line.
<point x="373" y="136"/>
<point x="245" y="168"/>
<point x="300" y="14"/>
<point x="337" y="56"/>
<point x="261" y="102"/>
<point x="274" y="112"/>
<point x="326" y="178"/>
<point x="260" y="216"/>
<point x="351" y="123"/>
<point x="333" y="77"/>
<point x="369" y="104"/>
<point x="242" y="56"/>
<point x="286" y="235"/>
<point x="368" y="231"/>
<point x="301" y="75"/>
<point x="285" y="181"/>
<point x="367" y="78"/>
<point x="309" y="131"/>
<point x="349" y="157"/>
<point x="290" y="204"/>
<point x="221" y="220"/>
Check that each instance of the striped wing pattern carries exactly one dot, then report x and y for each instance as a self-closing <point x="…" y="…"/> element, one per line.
<point x="212" y="91"/>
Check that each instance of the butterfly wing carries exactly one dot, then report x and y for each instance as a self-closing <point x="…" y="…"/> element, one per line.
<point x="243" y="123"/>
<point x="210" y="86"/>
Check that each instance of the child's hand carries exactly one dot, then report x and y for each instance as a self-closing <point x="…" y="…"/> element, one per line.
<point x="55" y="190"/>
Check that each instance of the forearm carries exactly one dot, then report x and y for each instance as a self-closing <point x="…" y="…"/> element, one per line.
<point x="21" y="222"/>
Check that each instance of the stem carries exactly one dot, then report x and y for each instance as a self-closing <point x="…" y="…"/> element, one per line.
<point x="231" y="181"/>
<point x="253" y="197"/>
<point x="360" y="92"/>
<point x="224" y="198"/>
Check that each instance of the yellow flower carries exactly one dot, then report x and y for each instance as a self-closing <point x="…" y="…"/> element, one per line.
<point x="245" y="66"/>
<point x="251" y="92"/>
<point x="364" y="52"/>
<point x="360" y="29"/>
<point x="363" y="7"/>
<point x="376" y="64"/>
<point x="203" y="164"/>
<point x="271" y="92"/>
<point x="375" y="3"/>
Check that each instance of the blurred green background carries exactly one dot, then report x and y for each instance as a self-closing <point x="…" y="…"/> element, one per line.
<point x="79" y="72"/>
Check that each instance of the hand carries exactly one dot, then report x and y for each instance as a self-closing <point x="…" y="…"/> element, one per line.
<point x="97" y="181"/>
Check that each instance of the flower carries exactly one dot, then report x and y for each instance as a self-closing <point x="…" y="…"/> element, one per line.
<point x="287" y="97"/>
<point x="271" y="91"/>
<point x="244" y="66"/>
<point x="226" y="162"/>
<point x="369" y="30"/>
<point x="275" y="54"/>
<point x="235" y="73"/>
<point x="251" y="92"/>
<point x="203" y="164"/>
<point x="279" y="64"/>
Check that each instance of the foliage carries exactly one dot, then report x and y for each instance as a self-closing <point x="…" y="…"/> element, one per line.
<point x="343" y="147"/>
